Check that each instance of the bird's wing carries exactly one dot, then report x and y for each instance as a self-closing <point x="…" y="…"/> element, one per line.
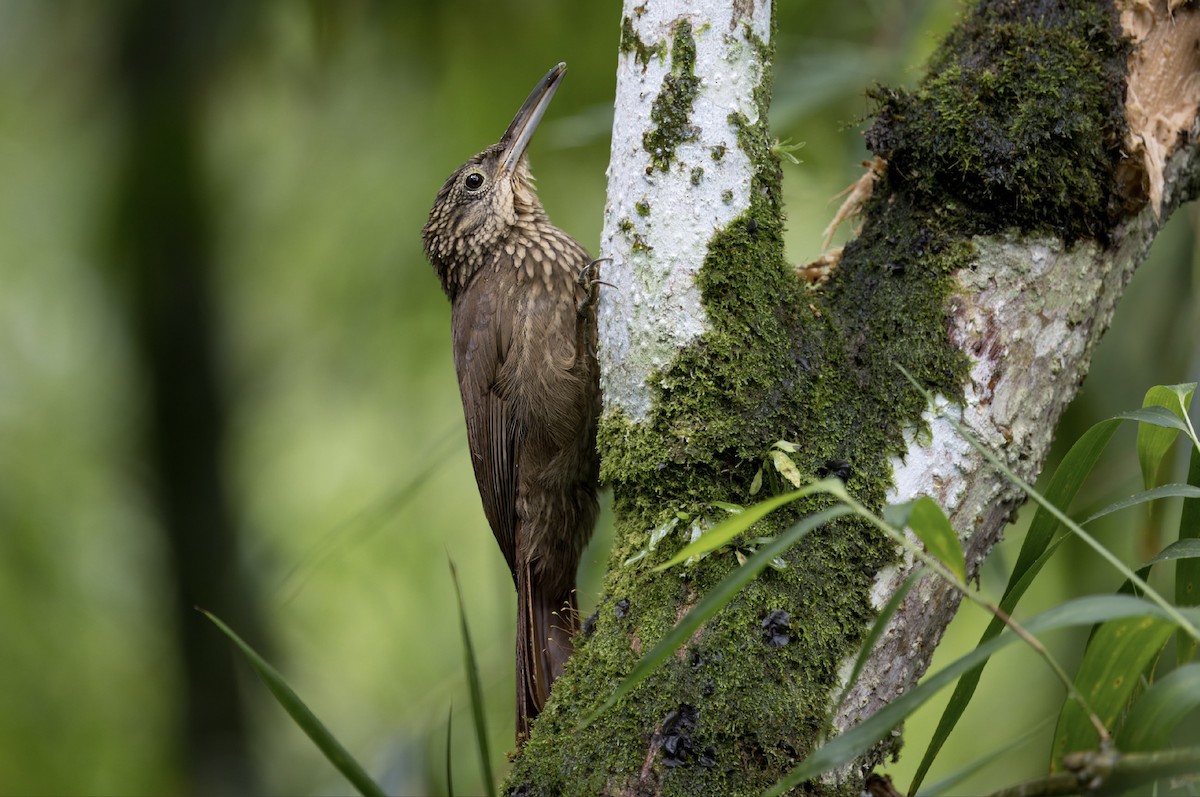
<point x="482" y="333"/>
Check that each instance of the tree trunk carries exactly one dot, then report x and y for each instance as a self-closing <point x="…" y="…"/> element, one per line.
<point x="161" y="258"/>
<point x="1021" y="186"/>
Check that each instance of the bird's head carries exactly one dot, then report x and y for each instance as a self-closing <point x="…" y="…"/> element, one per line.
<point x="486" y="197"/>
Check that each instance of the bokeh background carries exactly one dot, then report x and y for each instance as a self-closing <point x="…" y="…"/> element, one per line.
<point x="225" y="376"/>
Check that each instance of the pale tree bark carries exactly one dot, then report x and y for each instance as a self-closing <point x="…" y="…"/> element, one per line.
<point x="1024" y="181"/>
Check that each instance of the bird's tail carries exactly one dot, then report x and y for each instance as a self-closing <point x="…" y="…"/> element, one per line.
<point x="546" y="621"/>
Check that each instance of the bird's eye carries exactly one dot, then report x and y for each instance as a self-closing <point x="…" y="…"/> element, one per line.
<point x="474" y="181"/>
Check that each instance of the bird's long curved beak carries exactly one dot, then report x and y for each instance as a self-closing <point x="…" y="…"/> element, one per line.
<point x="516" y="139"/>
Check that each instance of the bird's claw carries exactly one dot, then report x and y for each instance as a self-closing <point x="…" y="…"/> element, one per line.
<point x="588" y="281"/>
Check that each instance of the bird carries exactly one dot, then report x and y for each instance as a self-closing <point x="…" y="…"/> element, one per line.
<point x="523" y="324"/>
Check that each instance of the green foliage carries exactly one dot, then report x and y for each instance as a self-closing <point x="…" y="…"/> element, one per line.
<point x="1154" y="440"/>
<point x="844" y="748"/>
<point x="930" y="524"/>
<point x="1117" y="656"/>
<point x="477" y="709"/>
<point x="300" y="713"/>
<point x="1151" y="721"/>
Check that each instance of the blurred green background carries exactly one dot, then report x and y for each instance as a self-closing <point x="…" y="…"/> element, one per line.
<point x="225" y="374"/>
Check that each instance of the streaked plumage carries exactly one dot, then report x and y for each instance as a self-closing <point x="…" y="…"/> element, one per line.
<point x="523" y="321"/>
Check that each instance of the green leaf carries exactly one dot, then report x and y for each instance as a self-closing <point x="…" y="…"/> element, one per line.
<point x="1163" y="491"/>
<point x="1153" y="440"/>
<point x="756" y="484"/>
<point x="877" y="629"/>
<point x="715" y="599"/>
<point x="729" y="529"/>
<point x="787" y="469"/>
<point x="1117" y="655"/>
<point x="1187" y="574"/>
<point x="330" y="747"/>
<point x="1155" y="416"/>
<point x="449" y="748"/>
<point x="1160" y="708"/>
<point x="896" y="515"/>
<point x="1179" y="550"/>
<point x="929" y="523"/>
<point x="477" y="714"/>
<point x="948" y="784"/>
<point x="1035" y="552"/>
<point x="844" y="748"/>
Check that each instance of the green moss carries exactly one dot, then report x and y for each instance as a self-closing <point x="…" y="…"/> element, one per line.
<point x="1020" y="119"/>
<point x="632" y="43"/>
<point x="726" y="196"/>
<point x="672" y="108"/>
<point x="642" y="208"/>
<point x="697" y="175"/>
<point x="718" y="152"/>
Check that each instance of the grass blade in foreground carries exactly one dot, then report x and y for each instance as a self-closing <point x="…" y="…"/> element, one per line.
<point x="1163" y="706"/>
<point x="949" y="784"/>
<point x="303" y="716"/>
<point x="716" y="598"/>
<point x="485" y="759"/>
<point x="449" y="769"/>
<point x="1153" y="440"/>
<point x="1187" y="574"/>
<point x="1064" y="485"/>
<point x="728" y="530"/>
<point x="1117" y="654"/>
<point x="1165" y="491"/>
<point x="929" y="523"/>
<point x="877" y="629"/>
<point x="844" y="748"/>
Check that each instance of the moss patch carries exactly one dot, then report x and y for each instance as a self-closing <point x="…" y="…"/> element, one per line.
<point x="631" y="42"/>
<point x="672" y="108"/>
<point x="1020" y="119"/>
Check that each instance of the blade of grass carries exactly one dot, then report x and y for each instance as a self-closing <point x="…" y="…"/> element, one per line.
<point x="1036" y="549"/>
<point x="1164" y="491"/>
<point x="477" y="714"/>
<point x="877" y="629"/>
<point x="1187" y="574"/>
<point x="930" y="524"/>
<point x="1180" y="550"/>
<point x="1153" y="441"/>
<point x="449" y="768"/>
<point x="300" y="713"/>
<point x="1118" y="653"/>
<point x="947" y="784"/>
<point x="714" y="600"/>
<point x="729" y="529"/>
<point x="1160" y="708"/>
<point x="844" y="748"/>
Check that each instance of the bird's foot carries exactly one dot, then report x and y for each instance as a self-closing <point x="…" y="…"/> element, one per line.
<point x="589" y="283"/>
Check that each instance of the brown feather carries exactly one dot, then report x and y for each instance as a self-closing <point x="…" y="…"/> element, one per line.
<point x="522" y="324"/>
